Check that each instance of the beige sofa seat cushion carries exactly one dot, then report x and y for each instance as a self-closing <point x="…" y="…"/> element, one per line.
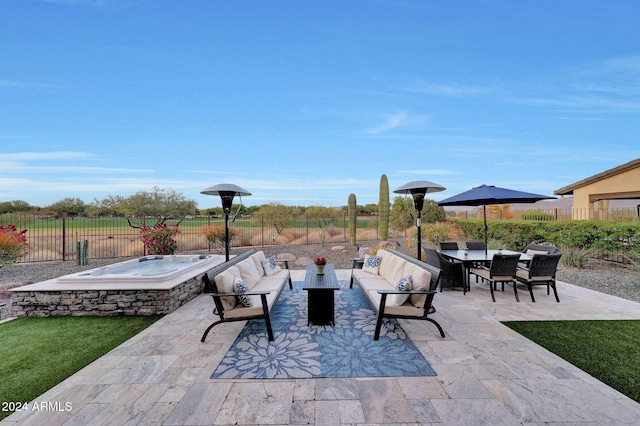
<point x="369" y="281"/>
<point x="256" y="306"/>
<point x="224" y="282"/>
<point x="272" y="283"/>
<point x="405" y="309"/>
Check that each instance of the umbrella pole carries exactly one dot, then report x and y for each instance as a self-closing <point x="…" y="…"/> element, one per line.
<point x="484" y="209"/>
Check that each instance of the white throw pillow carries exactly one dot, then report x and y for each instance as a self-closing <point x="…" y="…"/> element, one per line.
<point x="405" y="284"/>
<point x="240" y="286"/>
<point x="371" y="264"/>
<point x="271" y="266"/>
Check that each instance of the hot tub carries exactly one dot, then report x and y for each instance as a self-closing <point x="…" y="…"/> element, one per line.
<point x="149" y="285"/>
<point x="148" y="269"/>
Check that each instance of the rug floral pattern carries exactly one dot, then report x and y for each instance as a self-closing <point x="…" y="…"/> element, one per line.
<point x="344" y="350"/>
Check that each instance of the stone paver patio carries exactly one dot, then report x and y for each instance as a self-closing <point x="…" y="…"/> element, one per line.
<point x="486" y="374"/>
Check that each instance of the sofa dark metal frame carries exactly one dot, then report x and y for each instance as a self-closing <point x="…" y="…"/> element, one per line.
<point x="211" y="288"/>
<point x="433" y="285"/>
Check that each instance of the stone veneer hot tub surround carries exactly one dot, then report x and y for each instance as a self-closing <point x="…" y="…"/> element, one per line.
<point x="65" y="296"/>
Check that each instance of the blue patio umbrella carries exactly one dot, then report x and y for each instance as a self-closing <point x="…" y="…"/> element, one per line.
<point x="485" y="195"/>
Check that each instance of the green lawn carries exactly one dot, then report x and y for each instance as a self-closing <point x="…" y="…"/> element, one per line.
<point x="607" y="350"/>
<point x="38" y="353"/>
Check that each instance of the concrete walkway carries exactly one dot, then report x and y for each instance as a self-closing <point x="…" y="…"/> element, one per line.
<point x="486" y="374"/>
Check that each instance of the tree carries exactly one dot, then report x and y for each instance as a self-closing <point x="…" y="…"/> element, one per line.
<point x="402" y="213"/>
<point x="322" y="216"/>
<point x="14" y="206"/>
<point x="70" y="206"/>
<point x="432" y="212"/>
<point x="106" y="207"/>
<point x="277" y="215"/>
<point x="160" y="203"/>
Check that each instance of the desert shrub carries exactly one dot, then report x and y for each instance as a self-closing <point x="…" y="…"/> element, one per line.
<point x="381" y="245"/>
<point x="13" y="244"/>
<point x="574" y="256"/>
<point x="436" y="232"/>
<point x="215" y="234"/>
<point x="332" y="232"/>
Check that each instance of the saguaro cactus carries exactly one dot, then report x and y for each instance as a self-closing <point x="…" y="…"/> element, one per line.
<point x="353" y="218"/>
<point x="383" y="207"/>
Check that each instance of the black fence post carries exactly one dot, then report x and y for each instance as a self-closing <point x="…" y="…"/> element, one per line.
<point x="64" y="236"/>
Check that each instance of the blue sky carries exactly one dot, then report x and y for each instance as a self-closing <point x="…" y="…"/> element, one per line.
<point x="304" y="102"/>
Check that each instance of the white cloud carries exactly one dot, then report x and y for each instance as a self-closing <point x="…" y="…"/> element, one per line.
<point x="53" y="155"/>
<point x="449" y="90"/>
<point x="391" y="122"/>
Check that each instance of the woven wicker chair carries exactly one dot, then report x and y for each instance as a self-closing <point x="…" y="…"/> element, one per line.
<point x="541" y="271"/>
<point x="502" y="270"/>
<point x="451" y="275"/>
<point x="475" y="245"/>
<point x="449" y="245"/>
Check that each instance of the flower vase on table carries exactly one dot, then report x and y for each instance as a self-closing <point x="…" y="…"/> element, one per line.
<point x="320" y="263"/>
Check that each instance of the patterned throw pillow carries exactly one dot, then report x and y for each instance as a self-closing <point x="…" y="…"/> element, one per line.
<point x="371" y="264"/>
<point x="271" y="266"/>
<point x="239" y="286"/>
<point x="405" y="284"/>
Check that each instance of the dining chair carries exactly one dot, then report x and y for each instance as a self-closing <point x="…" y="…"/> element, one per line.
<point x="541" y="271"/>
<point x="452" y="273"/>
<point x="475" y="245"/>
<point x="448" y="245"/>
<point x="501" y="270"/>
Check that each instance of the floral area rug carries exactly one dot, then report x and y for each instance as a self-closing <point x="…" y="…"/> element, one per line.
<point x="344" y="350"/>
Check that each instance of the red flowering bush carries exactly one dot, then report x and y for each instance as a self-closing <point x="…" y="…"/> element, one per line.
<point x="320" y="261"/>
<point x="13" y="244"/>
<point x="160" y="239"/>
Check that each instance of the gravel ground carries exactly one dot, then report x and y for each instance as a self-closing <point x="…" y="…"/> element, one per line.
<point x="603" y="276"/>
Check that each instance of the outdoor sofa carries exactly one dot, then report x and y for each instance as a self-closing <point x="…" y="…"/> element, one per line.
<point x="246" y="287"/>
<point x="383" y="279"/>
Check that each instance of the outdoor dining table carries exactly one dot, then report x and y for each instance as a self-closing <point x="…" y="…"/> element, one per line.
<point x="469" y="258"/>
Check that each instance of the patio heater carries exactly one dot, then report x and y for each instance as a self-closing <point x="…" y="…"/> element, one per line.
<point x="226" y="191"/>
<point x="417" y="189"/>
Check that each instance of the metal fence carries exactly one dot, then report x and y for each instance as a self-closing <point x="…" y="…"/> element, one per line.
<point x="65" y="238"/>
<point x="608" y="215"/>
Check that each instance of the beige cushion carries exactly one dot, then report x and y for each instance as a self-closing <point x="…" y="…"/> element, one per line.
<point x="421" y="280"/>
<point x="524" y="274"/>
<point x="258" y="257"/>
<point x="256" y="306"/>
<point x="531" y="252"/>
<point x="224" y="282"/>
<point x="391" y="267"/>
<point x="249" y="273"/>
<point x="405" y="309"/>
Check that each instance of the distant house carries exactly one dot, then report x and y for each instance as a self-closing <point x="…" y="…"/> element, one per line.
<point x="619" y="183"/>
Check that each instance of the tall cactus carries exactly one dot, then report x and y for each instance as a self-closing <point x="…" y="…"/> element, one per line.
<point x="383" y="207"/>
<point x="353" y="218"/>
